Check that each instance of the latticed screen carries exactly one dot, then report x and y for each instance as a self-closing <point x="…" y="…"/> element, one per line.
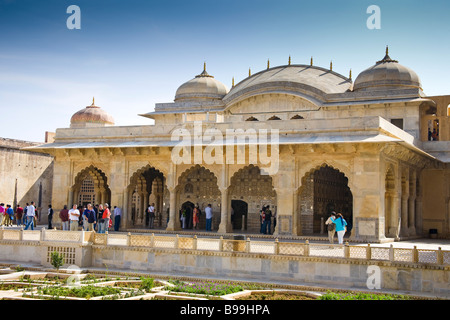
<point x="68" y="252"/>
<point x="87" y="191"/>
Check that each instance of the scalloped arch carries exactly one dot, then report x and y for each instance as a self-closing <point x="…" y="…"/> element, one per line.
<point x="303" y="174"/>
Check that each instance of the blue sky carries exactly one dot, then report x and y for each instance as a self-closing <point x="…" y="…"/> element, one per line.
<point x="132" y="54"/>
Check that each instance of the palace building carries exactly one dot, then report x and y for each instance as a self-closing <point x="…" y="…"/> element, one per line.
<point x="305" y="141"/>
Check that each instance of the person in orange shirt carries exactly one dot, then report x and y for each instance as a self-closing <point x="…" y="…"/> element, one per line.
<point x="106" y="217"/>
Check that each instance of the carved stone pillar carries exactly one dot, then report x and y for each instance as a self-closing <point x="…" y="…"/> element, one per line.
<point x="404" y="215"/>
<point x="174" y="221"/>
<point x="412" y="216"/>
<point x="394" y="227"/>
<point x="225" y="217"/>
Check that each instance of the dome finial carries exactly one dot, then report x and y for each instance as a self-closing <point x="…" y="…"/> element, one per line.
<point x="249" y="72"/>
<point x="350" y="75"/>
<point x="204" y="73"/>
<point x="93" y="101"/>
<point x="331" y="65"/>
<point x="386" y="57"/>
<point x="311" y="61"/>
<point x="232" y="82"/>
<point x="268" y="64"/>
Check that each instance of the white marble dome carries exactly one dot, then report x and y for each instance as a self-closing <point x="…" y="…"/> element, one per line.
<point x="387" y="74"/>
<point x="203" y="86"/>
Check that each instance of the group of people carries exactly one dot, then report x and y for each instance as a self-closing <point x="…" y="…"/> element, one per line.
<point x="91" y="218"/>
<point x="21" y="216"/>
<point x="190" y="217"/>
<point x="336" y="224"/>
<point x="433" y="135"/>
<point x="266" y="216"/>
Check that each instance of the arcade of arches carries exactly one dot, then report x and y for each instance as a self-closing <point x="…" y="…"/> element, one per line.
<point x="324" y="189"/>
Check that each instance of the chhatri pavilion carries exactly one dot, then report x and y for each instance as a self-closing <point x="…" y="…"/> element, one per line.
<point x="301" y="139"/>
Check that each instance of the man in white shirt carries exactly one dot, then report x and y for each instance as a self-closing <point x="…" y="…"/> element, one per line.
<point x="31" y="212"/>
<point x="74" y="215"/>
<point x="208" y="216"/>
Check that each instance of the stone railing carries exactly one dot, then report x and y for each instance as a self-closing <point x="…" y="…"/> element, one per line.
<point x="306" y="249"/>
<point x="45" y="235"/>
<point x="363" y="252"/>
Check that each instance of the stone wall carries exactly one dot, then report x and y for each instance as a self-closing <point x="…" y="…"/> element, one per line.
<point x="146" y="254"/>
<point x="26" y="176"/>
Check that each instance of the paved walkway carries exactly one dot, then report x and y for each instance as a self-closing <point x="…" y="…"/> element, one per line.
<point x="423" y="243"/>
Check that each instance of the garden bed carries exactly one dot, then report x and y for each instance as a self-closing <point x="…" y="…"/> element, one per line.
<point x="89" y="286"/>
<point x="276" y="295"/>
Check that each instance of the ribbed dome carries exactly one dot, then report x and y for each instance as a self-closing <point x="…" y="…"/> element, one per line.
<point x="387" y="74"/>
<point x="203" y="86"/>
<point x="91" y="116"/>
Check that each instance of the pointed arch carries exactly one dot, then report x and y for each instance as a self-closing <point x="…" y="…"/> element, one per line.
<point x="323" y="189"/>
<point x="146" y="186"/>
<point x="248" y="185"/>
<point x="90" y="186"/>
<point x="199" y="185"/>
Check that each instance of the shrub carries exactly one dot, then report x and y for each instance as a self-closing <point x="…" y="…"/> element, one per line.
<point x="57" y="260"/>
<point x="361" y="296"/>
<point x="147" y="284"/>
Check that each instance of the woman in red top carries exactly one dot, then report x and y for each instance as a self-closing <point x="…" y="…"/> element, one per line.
<point x="196" y="217"/>
<point x="106" y="216"/>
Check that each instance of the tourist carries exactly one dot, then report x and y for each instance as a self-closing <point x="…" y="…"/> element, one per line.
<point x="183" y="218"/>
<point x="74" y="217"/>
<point x="2" y="212"/>
<point x="31" y="212"/>
<point x="434" y="135"/>
<point x="341" y="227"/>
<point x="90" y="218"/>
<point x="151" y="215"/>
<point x="196" y="217"/>
<point x="274" y="220"/>
<point x="262" y="218"/>
<point x="117" y="217"/>
<point x="84" y="218"/>
<point x="36" y="215"/>
<point x="100" y="220"/>
<point x="50" y="216"/>
<point x="95" y="208"/>
<point x="331" y="227"/>
<point x="24" y="218"/>
<point x="267" y="221"/>
<point x="64" y="216"/>
<point x="208" y="216"/>
<point x="9" y="215"/>
<point x="19" y="215"/>
<point x="106" y="217"/>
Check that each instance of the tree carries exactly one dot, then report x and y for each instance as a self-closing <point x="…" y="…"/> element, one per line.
<point x="57" y="260"/>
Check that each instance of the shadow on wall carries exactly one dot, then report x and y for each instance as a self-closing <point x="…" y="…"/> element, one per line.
<point x="40" y="192"/>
